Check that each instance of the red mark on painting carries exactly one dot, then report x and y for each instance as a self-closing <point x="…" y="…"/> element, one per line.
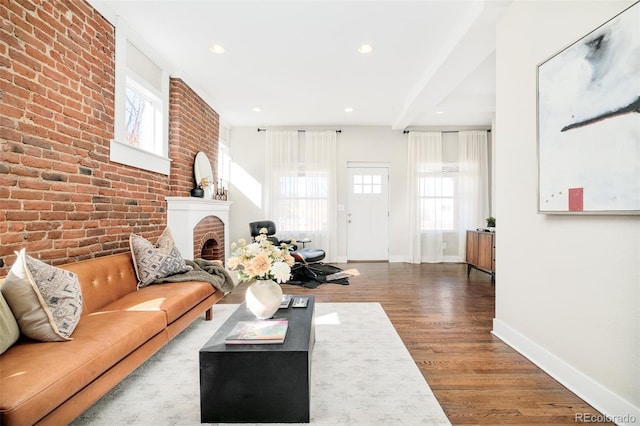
<point x="576" y="199"/>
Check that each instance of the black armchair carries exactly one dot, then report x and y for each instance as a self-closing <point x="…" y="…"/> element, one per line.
<point x="306" y="258"/>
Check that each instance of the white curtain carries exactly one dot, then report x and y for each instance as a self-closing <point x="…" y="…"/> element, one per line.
<point x="300" y="193"/>
<point x="425" y="158"/>
<point x="281" y="160"/>
<point x="447" y="196"/>
<point x="473" y="183"/>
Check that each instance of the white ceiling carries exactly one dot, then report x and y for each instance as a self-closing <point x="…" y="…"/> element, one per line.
<point x="298" y="61"/>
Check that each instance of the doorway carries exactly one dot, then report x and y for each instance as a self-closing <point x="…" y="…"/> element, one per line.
<point x="368" y="212"/>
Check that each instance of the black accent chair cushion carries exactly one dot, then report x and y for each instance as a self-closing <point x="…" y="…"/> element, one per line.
<point x="308" y="255"/>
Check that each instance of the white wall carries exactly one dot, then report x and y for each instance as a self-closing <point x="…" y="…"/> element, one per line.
<point x="355" y="143"/>
<point x="246" y="149"/>
<point x="567" y="286"/>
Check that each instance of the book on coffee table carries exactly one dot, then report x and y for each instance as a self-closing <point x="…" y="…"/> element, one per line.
<point x="258" y="332"/>
<point x="286" y="301"/>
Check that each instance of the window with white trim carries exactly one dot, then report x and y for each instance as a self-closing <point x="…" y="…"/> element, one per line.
<point x="367" y="184"/>
<point x="141" y="106"/>
<point x="305" y="199"/>
<point x="143" y="118"/>
<point x="437" y="198"/>
<point x="438" y="189"/>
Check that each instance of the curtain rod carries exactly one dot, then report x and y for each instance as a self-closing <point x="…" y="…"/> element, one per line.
<point x="299" y="130"/>
<point x="443" y="131"/>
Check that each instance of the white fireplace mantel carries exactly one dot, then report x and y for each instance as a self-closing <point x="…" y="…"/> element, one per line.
<point x="184" y="213"/>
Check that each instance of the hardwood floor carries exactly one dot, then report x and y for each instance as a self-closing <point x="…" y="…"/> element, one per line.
<point x="445" y="321"/>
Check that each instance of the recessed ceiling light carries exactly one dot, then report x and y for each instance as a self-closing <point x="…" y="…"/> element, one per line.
<point x="256" y="109"/>
<point x="217" y="49"/>
<point x="365" y="48"/>
<point x="348" y="109"/>
<point x="439" y="112"/>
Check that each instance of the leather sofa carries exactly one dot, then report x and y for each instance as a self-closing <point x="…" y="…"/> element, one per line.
<point x="120" y="327"/>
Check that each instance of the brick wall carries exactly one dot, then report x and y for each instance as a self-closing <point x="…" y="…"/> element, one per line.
<point x="195" y="125"/>
<point x="60" y="196"/>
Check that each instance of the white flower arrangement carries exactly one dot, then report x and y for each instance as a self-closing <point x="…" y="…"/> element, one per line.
<point x="261" y="260"/>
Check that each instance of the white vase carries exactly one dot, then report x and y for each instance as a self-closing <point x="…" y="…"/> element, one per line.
<point x="263" y="298"/>
<point x="208" y="192"/>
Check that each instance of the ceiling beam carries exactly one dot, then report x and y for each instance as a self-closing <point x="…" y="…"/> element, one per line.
<point x="469" y="43"/>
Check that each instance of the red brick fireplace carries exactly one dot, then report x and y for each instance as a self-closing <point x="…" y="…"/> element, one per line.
<point x="208" y="239"/>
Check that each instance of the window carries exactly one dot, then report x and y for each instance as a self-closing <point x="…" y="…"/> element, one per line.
<point x="305" y="198"/>
<point x="143" y="118"/>
<point x="367" y="184"/>
<point x="448" y="181"/>
<point x="300" y="185"/>
<point x="141" y="106"/>
<point x="437" y="199"/>
<point x="437" y="203"/>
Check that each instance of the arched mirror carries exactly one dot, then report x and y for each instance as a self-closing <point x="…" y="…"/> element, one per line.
<point x="203" y="173"/>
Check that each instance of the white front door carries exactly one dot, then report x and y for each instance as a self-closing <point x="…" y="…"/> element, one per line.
<point x="368" y="213"/>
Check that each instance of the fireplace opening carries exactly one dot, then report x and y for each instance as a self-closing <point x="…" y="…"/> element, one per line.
<point x="211" y="251"/>
<point x="208" y="239"/>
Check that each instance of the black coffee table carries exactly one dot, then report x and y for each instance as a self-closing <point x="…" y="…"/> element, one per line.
<point x="258" y="383"/>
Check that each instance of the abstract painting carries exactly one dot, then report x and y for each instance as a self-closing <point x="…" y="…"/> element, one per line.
<point x="589" y="122"/>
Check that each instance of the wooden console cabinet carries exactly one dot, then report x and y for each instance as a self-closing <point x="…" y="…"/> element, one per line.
<point x="481" y="252"/>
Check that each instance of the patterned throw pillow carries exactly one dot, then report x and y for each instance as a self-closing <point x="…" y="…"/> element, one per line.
<point x="156" y="261"/>
<point x="46" y="301"/>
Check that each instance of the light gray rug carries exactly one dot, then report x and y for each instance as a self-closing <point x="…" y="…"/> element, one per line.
<point x="361" y="374"/>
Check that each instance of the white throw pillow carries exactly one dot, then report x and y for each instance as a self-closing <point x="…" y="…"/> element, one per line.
<point x="9" y="330"/>
<point x="46" y="301"/>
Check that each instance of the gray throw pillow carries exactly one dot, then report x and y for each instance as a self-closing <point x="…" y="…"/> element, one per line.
<point x="156" y="261"/>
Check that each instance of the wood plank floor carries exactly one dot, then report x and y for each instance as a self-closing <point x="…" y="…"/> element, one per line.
<point x="445" y="320"/>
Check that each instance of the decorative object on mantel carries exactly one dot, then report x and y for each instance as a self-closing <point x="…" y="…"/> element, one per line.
<point x="197" y="192"/>
<point x="262" y="262"/>
<point x="220" y="192"/>
<point x="208" y="188"/>
<point x="203" y="174"/>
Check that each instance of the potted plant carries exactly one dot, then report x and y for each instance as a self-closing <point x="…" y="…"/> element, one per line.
<point x="491" y="222"/>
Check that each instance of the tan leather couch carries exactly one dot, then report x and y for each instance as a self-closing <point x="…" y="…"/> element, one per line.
<point x="120" y="328"/>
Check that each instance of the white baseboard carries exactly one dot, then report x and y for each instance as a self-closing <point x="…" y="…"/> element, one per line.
<point x="613" y="407"/>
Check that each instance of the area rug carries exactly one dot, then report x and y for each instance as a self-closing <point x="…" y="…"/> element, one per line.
<point x="361" y="374"/>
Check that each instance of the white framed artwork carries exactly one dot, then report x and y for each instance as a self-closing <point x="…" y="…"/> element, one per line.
<point x="589" y="122"/>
